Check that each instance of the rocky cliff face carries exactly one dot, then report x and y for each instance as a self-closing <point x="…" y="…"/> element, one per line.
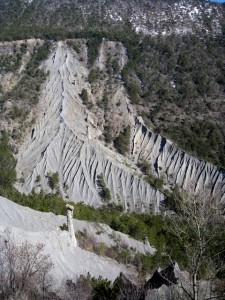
<point x="67" y="140"/>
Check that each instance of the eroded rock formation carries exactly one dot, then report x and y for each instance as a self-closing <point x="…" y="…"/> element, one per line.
<point x="67" y="140"/>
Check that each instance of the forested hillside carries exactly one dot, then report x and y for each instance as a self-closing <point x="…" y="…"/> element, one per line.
<point x="117" y="109"/>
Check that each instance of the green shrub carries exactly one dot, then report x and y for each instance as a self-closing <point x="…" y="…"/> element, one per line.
<point x="154" y="181"/>
<point x="53" y="180"/>
<point x="145" y="167"/>
<point x="7" y="162"/>
<point x="16" y="112"/>
<point x="94" y="75"/>
<point x="103" y="289"/>
<point x="64" y="227"/>
<point x="12" y="62"/>
<point x="158" y="182"/>
<point x="74" y="46"/>
<point x="122" y="142"/>
<point x="28" y="88"/>
<point x="84" y="96"/>
<point x="93" y="45"/>
<point x="108" y="134"/>
<point x="38" y="179"/>
<point x="104" y="192"/>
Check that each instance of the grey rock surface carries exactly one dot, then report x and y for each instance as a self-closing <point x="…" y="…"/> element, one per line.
<point x="174" y="165"/>
<point x="69" y="261"/>
<point x="66" y="140"/>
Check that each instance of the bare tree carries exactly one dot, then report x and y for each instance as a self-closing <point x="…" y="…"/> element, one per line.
<point x="24" y="269"/>
<point x="199" y="227"/>
<point x="220" y="288"/>
<point x="81" y="288"/>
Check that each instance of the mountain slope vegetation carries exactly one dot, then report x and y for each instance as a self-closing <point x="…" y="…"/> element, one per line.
<point x="40" y="17"/>
<point x="115" y="107"/>
<point x="175" y="77"/>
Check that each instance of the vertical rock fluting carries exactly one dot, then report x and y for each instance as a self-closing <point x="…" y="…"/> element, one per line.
<point x="174" y="165"/>
<point x="60" y="144"/>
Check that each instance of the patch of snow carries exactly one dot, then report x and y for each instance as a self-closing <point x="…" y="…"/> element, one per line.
<point x="173" y="84"/>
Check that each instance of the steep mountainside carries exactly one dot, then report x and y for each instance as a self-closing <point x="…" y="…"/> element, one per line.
<point x="117" y="109"/>
<point x="67" y="150"/>
<point x="65" y="141"/>
<point x="148" y="16"/>
<point x="81" y="113"/>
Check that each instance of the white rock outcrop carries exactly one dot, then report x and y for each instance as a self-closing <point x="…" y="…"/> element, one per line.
<point x="174" y="165"/>
<point x="65" y="140"/>
<point x="69" y="262"/>
<point x="70" y="226"/>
